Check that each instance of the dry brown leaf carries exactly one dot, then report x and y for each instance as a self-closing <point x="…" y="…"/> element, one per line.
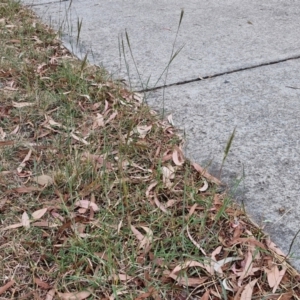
<point x="171" y="202"/>
<point x="177" y="156"/>
<point x="247" y="268"/>
<point x="137" y="233"/>
<point x="87" y="205"/>
<point x="205" y="174"/>
<point x="274" y="276"/>
<point x="122" y="277"/>
<point x="112" y="116"/>
<point x="248" y="290"/>
<point x="187" y="264"/>
<point x="50" y="294"/>
<point x="6" y="286"/>
<point x="25" y="220"/>
<point x="45" y="224"/>
<point x="274" y="247"/>
<point x="220" y="263"/>
<point x="74" y="296"/>
<point x="249" y="240"/>
<point x="79" y="139"/>
<point x="98" y="121"/>
<point x="168" y="175"/>
<point x="13" y="226"/>
<point x="211" y="270"/>
<point x="281" y="274"/>
<point x="150" y="187"/>
<point x="145" y="240"/>
<point x="6" y="143"/>
<point x="39" y="213"/>
<point x="23" y="163"/>
<point x="26" y="189"/>
<point x="286" y="296"/>
<point x="44" y="285"/>
<point x="43" y="180"/>
<point x="170" y="119"/>
<point x="189" y="281"/>
<point x="145" y="295"/>
<point x="205" y="296"/>
<point x="15" y="131"/>
<point x="194" y="242"/>
<point x="2" y="203"/>
<point x="22" y="104"/>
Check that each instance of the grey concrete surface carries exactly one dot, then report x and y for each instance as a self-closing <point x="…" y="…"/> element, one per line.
<point x="219" y="36"/>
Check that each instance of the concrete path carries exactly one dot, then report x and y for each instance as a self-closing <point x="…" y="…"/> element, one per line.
<point x="239" y="67"/>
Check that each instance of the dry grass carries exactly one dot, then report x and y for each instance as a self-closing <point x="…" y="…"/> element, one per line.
<point x="97" y="200"/>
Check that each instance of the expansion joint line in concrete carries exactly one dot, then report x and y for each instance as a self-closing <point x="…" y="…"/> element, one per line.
<point x="46" y="3"/>
<point x="219" y="74"/>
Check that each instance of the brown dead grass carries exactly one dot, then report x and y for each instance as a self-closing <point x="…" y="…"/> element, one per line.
<point x="97" y="200"/>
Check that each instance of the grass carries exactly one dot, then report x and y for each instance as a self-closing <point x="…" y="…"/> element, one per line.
<point x="97" y="200"/>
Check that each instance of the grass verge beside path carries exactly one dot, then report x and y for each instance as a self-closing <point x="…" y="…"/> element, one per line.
<point x="97" y="200"/>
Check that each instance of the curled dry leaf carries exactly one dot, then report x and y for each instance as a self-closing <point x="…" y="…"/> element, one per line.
<point x="204" y="187"/>
<point x="145" y="240"/>
<point x="137" y="233"/>
<point x="143" y="130"/>
<point x="43" y="180"/>
<point x="220" y="263"/>
<point x="160" y="205"/>
<point x="87" y="204"/>
<point x="194" y="242"/>
<point x="177" y="156"/>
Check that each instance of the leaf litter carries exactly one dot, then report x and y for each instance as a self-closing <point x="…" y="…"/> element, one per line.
<point x="98" y="196"/>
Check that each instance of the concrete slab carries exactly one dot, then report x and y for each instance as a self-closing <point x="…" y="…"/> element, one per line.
<point x="265" y="111"/>
<point x="219" y="36"/>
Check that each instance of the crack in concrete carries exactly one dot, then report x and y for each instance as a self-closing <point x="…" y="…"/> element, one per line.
<point x="219" y="74"/>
